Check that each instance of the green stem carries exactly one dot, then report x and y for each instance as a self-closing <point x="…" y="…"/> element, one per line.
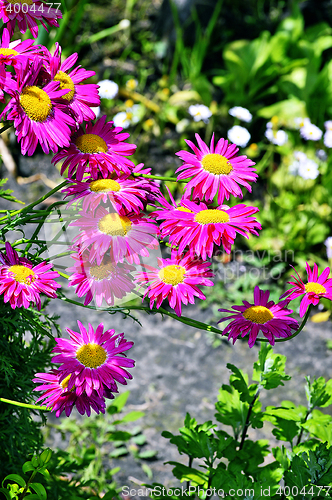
<point x="159" y="177"/>
<point x="247" y="422"/>
<point x="6" y="127"/>
<point x="40" y="200"/>
<point x="31" y="478"/>
<point x="305" y="319"/>
<point x="24" y="405"/>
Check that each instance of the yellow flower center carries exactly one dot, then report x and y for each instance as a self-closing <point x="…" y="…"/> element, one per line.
<point x="216" y="164"/>
<point x="64" y="383"/>
<point x="172" y="275"/>
<point x="114" y="224"/>
<point x="8" y="52"/>
<point x="36" y="103"/>
<point x="65" y="83"/>
<point x="104" y="186"/>
<point x="211" y="216"/>
<point x="101" y="272"/>
<point x="91" y="143"/>
<point x="258" y="314"/>
<point x="129" y="103"/>
<point x="184" y="209"/>
<point x="91" y="355"/>
<point x="22" y="274"/>
<point x="312" y="287"/>
<point x="22" y="2"/>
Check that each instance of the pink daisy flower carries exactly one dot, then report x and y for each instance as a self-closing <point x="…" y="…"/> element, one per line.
<point x="94" y="359"/>
<point x="80" y="97"/>
<point x="37" y="113"/>
<point x="125" y="195"/>
<point x="98" y="150"/>
<point x="58" y="397"/>
<point x="177" y="279"/>
<point x="106" y="282"/>
<point x="263" y="315"/>
<point x="151" y="186"/>
<point x="215" y="170"/>
<point x="316" y="288"/>
<point x="27" y="13"/>
<point x="123" y="236"/>
<point x="14" y="52"/>
<point x="202" y="229"/>
<point x="22" y="283"/>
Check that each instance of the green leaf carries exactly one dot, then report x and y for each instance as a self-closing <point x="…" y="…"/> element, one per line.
<point x="16" y="478"/>
<point x="131" y="416"/>
<point x="27" y="466"/>
<point x="147" y="454"/>
<point x="45" y="457"/>
<point x="118" y="403"/>
<point x="119" y="436"/>
<point x="118" y="452"/>
<point x="6" y="493"/>
<point x="147" y="470"/>
<point x="269" y="370"/>
<point x="285" y="111"/>
<point x="39" y="489"/>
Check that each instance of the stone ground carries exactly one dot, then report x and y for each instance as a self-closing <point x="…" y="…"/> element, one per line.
<point x="177" y="370"/>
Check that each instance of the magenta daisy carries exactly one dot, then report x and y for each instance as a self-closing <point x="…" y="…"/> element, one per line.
<point x="107" y="281"/>
<point x="263" y="315"/>
<point x="215" y="170"/>
<point x="316" y="288"/>
<point x="22" y="283"/>
<point x="202" y="229"/>
<point x="124" y="195"/>
<point x="80" y="97"/>
<point x="176" y="279"/>
<point x="123" y="236"/>
<point x="98" y="150"/>
<point x="59" y="398"/>
<point x="38" y="113"/>
<point x="94" y="359"/>
<point x="14" y="52"/>
<point x="27" y="13"/>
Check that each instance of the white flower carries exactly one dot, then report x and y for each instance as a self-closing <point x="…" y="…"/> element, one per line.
<point x="308" y="169"/>
<point x="301" y="122"/>
<point x="129" y="117"/>
<point x="328" y="243"/>
<point x="239" y="136"/>
<point x="108" y="89"/>
<point x="328" y="138"/>
<point x="328" y="125"/>
<point x="321" y="154"/>
<point x="200" y="112"/>
<point x="279" y="137"/>
<point x="182" y="125"/>
<point x="241" y="113"/>
<point x="300" y="156"/>
<point x="310" y="132"/>
<point x="294" y="168"/>
<point x="96" y="111"/>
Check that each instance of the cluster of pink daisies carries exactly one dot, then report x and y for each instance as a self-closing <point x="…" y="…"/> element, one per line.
<point x="50" y="105"/>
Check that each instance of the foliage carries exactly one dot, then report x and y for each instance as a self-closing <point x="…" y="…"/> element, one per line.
<point x="233" y="464"/>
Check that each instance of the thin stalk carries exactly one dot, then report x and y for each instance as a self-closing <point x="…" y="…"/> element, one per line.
<point x="301" y="432"/>
<point x="40" y="200"/>
<point x="140" y="98"/>
<point x="247" y="423"/>
<point x="159" y="177"/>
<point x="6" y="127"/>
<point x="24" y="405"/>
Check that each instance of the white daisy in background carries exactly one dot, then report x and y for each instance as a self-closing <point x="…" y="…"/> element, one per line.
<point x="239" y="136"/>
<point x="131" y="116"/>
<point x="301" y="122"/>
<point x="321" y="154"/>
<point x="328" y="138"/>
<point x="328" y="244"/>
<point x="308" y="169"/>
<point x="200" y="112"/>
<point x="241" y="113"/>
<point x="278" y="137"/>
<point x="300" y="156"/>
<point x="108" y="89"/>
<point x="328" y="125"/>
<point x="311" y="132"/>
